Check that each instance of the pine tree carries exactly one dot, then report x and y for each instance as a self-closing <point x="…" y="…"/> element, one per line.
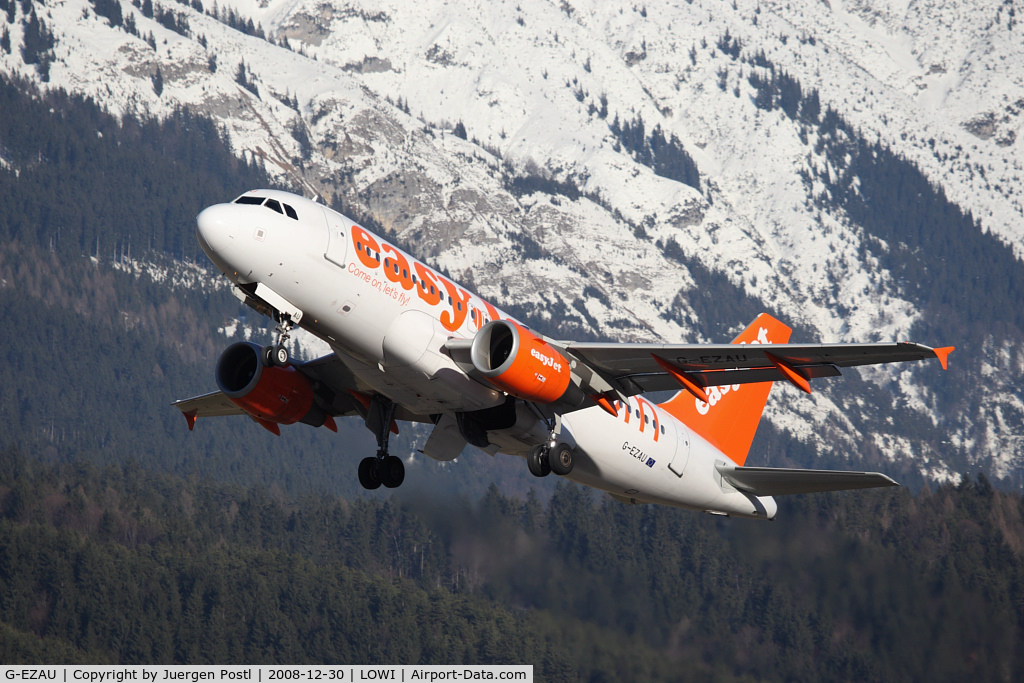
<point x="158" y="82"/>
<point x="110" y="9"/>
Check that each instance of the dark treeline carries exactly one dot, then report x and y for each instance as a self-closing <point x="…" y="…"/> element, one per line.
<point x="665" y="154"/>
<point x="102" y="355"/>
<point x="37" y="40"/>
<point x="120" y="565"/>
<point x="109" y="182"/>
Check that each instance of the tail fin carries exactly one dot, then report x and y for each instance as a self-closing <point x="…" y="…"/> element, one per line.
<point x="730" y="419"/>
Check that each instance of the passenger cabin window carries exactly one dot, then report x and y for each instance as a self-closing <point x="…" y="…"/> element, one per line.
<point x="275" y="205"/>
<point x="291" y="212"/>
<point x="249" y="199"/>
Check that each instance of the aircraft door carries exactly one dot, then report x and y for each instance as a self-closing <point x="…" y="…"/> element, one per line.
<point x="682" y="454"/>
<point x="337" y="240"/>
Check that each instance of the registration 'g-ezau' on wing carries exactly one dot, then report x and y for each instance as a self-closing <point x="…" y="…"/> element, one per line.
<point x="411" y="345"/>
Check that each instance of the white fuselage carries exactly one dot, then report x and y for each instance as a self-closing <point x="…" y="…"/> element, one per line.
<point x="387" y="316"/>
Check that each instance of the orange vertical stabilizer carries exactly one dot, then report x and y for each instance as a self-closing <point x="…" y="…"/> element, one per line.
<point x="729" y="419"/>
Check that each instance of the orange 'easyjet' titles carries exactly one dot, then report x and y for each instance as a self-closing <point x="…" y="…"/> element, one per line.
<point x="363" y="243"/>
<point x="453" y="319"/>
<point x="426" y="287"/>
<point x="396" y="267"/>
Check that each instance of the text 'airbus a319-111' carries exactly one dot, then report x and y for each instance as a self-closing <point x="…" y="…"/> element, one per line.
<point x="411" y="345"/>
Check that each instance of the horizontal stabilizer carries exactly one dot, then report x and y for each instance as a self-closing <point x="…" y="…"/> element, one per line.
<point x="776" y="481"/>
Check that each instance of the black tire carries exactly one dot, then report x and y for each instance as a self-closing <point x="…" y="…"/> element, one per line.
<point x="561" y="459"/>
<point x="392" y="472"/>
<point x="537" y="461"/>
<point x="267" y="356"/>
<point x="369" y="473"/>
<point x="281" y="356"/>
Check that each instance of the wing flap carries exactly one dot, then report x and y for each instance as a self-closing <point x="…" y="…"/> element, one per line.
<point x="635" y="368"/>
<point x="624" y="359"/>
<point x="213" y="404"/>
<point x="777" y="481"/>
<point x="716" y="378"/>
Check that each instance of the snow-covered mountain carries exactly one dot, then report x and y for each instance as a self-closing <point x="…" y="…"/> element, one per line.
<point x="423" y="115"/>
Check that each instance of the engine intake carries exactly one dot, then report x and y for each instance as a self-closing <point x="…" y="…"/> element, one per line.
<point x="278" y="395"/>
<point x="520" y="363"/>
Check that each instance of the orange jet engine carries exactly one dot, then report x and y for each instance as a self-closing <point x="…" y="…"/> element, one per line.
<point x="272" y="396"/>
<point x="520" y="363"/>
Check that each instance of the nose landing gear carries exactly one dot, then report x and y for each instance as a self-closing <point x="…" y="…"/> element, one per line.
<point x="383" y="468"/>
<point x="277" y="355"/>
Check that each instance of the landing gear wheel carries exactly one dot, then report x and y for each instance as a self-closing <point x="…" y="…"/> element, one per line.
<point x="392" y="472"/>
<point x="537" y="461"/>
<point x="560" y="459"/>
<point x="369" y="473"/>
<point x="280" y="356"/>
<point x="267" y="356"/>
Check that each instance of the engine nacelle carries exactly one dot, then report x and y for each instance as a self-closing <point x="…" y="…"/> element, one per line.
<point x="278" y="395"/>
<point x="520" y="363"/>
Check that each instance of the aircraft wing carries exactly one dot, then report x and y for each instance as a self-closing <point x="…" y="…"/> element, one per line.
<point x="639" y="368"/>
<point x="213" y="404"/>
<point x="777" y="481"/>
<point x="339" y="392"/>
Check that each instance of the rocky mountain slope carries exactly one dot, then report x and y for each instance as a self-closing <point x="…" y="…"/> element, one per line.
<point x="655" y="172"/>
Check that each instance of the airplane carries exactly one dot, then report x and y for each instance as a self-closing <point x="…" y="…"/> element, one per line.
<point x="409" y="344"/>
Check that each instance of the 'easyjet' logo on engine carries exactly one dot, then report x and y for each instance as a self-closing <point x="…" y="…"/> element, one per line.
<point x="546" y="360"/>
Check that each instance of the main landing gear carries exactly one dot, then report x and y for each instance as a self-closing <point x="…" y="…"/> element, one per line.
<point x="278" y="353"/>
<point x="543" y="459"/>
<point x="383" y="468"/>
<point x="551" y="456"/>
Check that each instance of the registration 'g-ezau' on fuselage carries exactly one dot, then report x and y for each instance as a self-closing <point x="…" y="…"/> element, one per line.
<point x="409" y="344"/>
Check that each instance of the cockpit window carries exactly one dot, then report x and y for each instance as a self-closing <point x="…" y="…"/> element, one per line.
<point x="271" y="204"/>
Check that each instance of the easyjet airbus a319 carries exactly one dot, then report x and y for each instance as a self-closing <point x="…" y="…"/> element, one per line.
<point x="411" y="345"/>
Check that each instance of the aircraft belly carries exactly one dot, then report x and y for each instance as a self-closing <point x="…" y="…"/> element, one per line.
<point x="622" y="460"/>
<point x="518" y="439"/>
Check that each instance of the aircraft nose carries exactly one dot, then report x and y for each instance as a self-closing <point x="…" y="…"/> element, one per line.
<point x="215" y="229"/>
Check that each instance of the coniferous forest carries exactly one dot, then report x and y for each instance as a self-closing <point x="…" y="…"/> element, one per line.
<point x="117" y="564"/>
<point x="125" y="538"/>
